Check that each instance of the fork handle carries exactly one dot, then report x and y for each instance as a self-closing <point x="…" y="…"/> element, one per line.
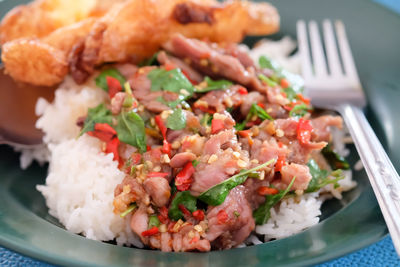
<point x="382" y="175"/>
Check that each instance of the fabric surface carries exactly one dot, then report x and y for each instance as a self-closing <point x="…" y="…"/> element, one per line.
<point x="379" y="254"/>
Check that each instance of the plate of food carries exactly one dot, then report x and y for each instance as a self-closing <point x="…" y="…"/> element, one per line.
<point x="171" y="139"/>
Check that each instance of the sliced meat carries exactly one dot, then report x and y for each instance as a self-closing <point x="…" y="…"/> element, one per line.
<point x="116" y="102"/>
<point x="180" y="159"/>
<point x="140" y="222"/>
<point x="266" y="150"/>
<point x="321" y="127"/>
<point x="250" y="99"/>
<point x="159" y="190"/>
<point x="240" y="52"/>
<point x="220" y="100"/>
<point x="232" y="221"/>
<point x="190" y="12"/>
<point x="192" y="74"/>
<point x="126" y="69"/>
<point x="225" y="138"/>
<point x="127" y="192"/>
<point x="301" y="172"/>
<point x="209" y="60"/>
<point x="141" y="85"/>
<point x="188" y="239"/>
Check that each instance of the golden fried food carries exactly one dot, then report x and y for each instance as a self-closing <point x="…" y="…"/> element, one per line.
<point x="34" y="62"/>
<point x="131" y="30"/>
<point x="41" y="17"/>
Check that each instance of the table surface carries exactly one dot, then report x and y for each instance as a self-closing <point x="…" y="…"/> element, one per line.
<point x="381" y="253"/>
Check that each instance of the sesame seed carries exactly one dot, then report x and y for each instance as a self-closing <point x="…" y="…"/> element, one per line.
<point x="162" y="228"/>
<point x="204" y="62"/>
<point x="279" y="133"/>
<point x="198" y="228"/>
<point x="201" y="103"/>
<point x="255" y="131"/>
<point x="157" y="168"/>
<point x="184" y="92"/>
<point x="212" y="158"/>
<point x="254" y="161"/>
<point x="149" y="164"/>
<point x="299" y="192"/>
<point x="228" y="102"/>
<point x="176" y="144"/>
<point x="241" y="163"/>
<point x="166" y="159"/>
<point x="270" y="128"/>
<point x="269" y="110"/>
<point x="191" y="234"/>
<point x="254" y="118"/>
<point x="219" y="116"/>
<point x="165" y="114"/>
<point x="126" y="189"/>
<point x="152" y="122"/>
<point x="236" y="154"/>
<point x="262" y="175"/>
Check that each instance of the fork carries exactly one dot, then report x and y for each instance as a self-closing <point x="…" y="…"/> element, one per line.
<point x="340" y="89"/>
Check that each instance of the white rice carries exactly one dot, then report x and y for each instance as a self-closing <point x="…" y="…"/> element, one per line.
<point x="81" y="179"/>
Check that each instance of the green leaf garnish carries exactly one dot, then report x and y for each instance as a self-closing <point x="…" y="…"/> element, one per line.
<point x="149" y="61"/>
<point x="296" y="82"/>
<point x="184" y="198"/>
<point x="214" y="85"/>
<point x="334" y="159"/>
<point x="153" y="221"/>
<point x="101" y="80"/>
<point x="267" y="80"/>
<point x="130" y="130"/>
<point x="299" y="110"/>
<point x="321" y="178"/>
<point x="217" y="194"/>
<point x="262" y="214"/>
<point x="290" y="93"/>
<point x="131" y="208"/>
<point x="177" y="120"/>
<point x="254" y="110"/>
<point x="99" y="114"/>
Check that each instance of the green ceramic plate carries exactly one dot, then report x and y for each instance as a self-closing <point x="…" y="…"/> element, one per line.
<point x="347" y="225"/>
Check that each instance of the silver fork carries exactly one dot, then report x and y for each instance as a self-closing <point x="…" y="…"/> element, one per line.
<point x="340" y="89"/>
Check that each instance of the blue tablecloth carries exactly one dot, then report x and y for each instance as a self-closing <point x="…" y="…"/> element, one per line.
<point x="379" y="254"/>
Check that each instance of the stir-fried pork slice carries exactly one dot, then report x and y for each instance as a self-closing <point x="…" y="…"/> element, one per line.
<point x="301" y="172"/>
<point x="232" y="221"/>
<point x="321" y="127"/>
<point x="223" y="139"/>
<point x="192" y="74"/>
<point x="179" y="160"/>
<point x="126" y="69"/>
<point x="212" y="62"/>
<point x="240" y="52"/>
<point x="250" y="99"/>
<point x="127" y="192"/>
<point x="220" y="100"/>
<point x="159" y="190"/>
<point x="188" y="239"/>
<point x="141" y="85"/>
<point x="140" y="222"/>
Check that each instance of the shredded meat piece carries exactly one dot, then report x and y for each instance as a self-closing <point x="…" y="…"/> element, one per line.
<point x="159" y="190"/>
<point x="301" y="172"/>
<point x="239" y="223"/>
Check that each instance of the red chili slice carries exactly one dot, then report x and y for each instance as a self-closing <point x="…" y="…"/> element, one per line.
<point x="243" y="91"/>
<point x="222" y="217"/>
<point x="304" y="130"/>
<point x="157" y="174"/>
<point x="112" y="147"/>
<point x="284" y="83"/>
<point x="184" y="210"/>
<point x="280" y="162"/>
<point x="265" y="190"/>
<point x="114" y="86"/>
<point x="151" y="231"/>
<point x="163" y="215"/>
<point x="183" y="179"/>
<point x="161" y="126"/>
<point x="217" y="125"/>
<point x="198" y="215"/>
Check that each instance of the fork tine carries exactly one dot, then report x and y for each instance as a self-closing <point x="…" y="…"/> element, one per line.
<point x="303" y="48"/>
<point x="331" y="49"/>
<point x="317" y="50"/>
<point x="347" y="58"/>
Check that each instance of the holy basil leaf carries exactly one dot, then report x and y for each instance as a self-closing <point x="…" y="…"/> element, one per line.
<point x="153" y="221"/>
<point x="254" y="110"/>
<point x="334" y="159"/>
<point x="172" y="81"/>
<point x="150" y="61"/>
<point x="299" y="110"/>
<point x="295" y="81"/>
<point x="99" y="114"/>
<point x="184" y="198"/>
<point x="321" y="178"/>
<point x="177" y="120"/>
<point x="214" y="85"/>
<point x="261" y="113"/>
<point x="263" y="213"/>
<point x="267" y="80"/>
<point x="130" y="130"/>
<point x="290" y="93"/>
<point x="101" y="80"/>
<point x="216" y="195"/>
